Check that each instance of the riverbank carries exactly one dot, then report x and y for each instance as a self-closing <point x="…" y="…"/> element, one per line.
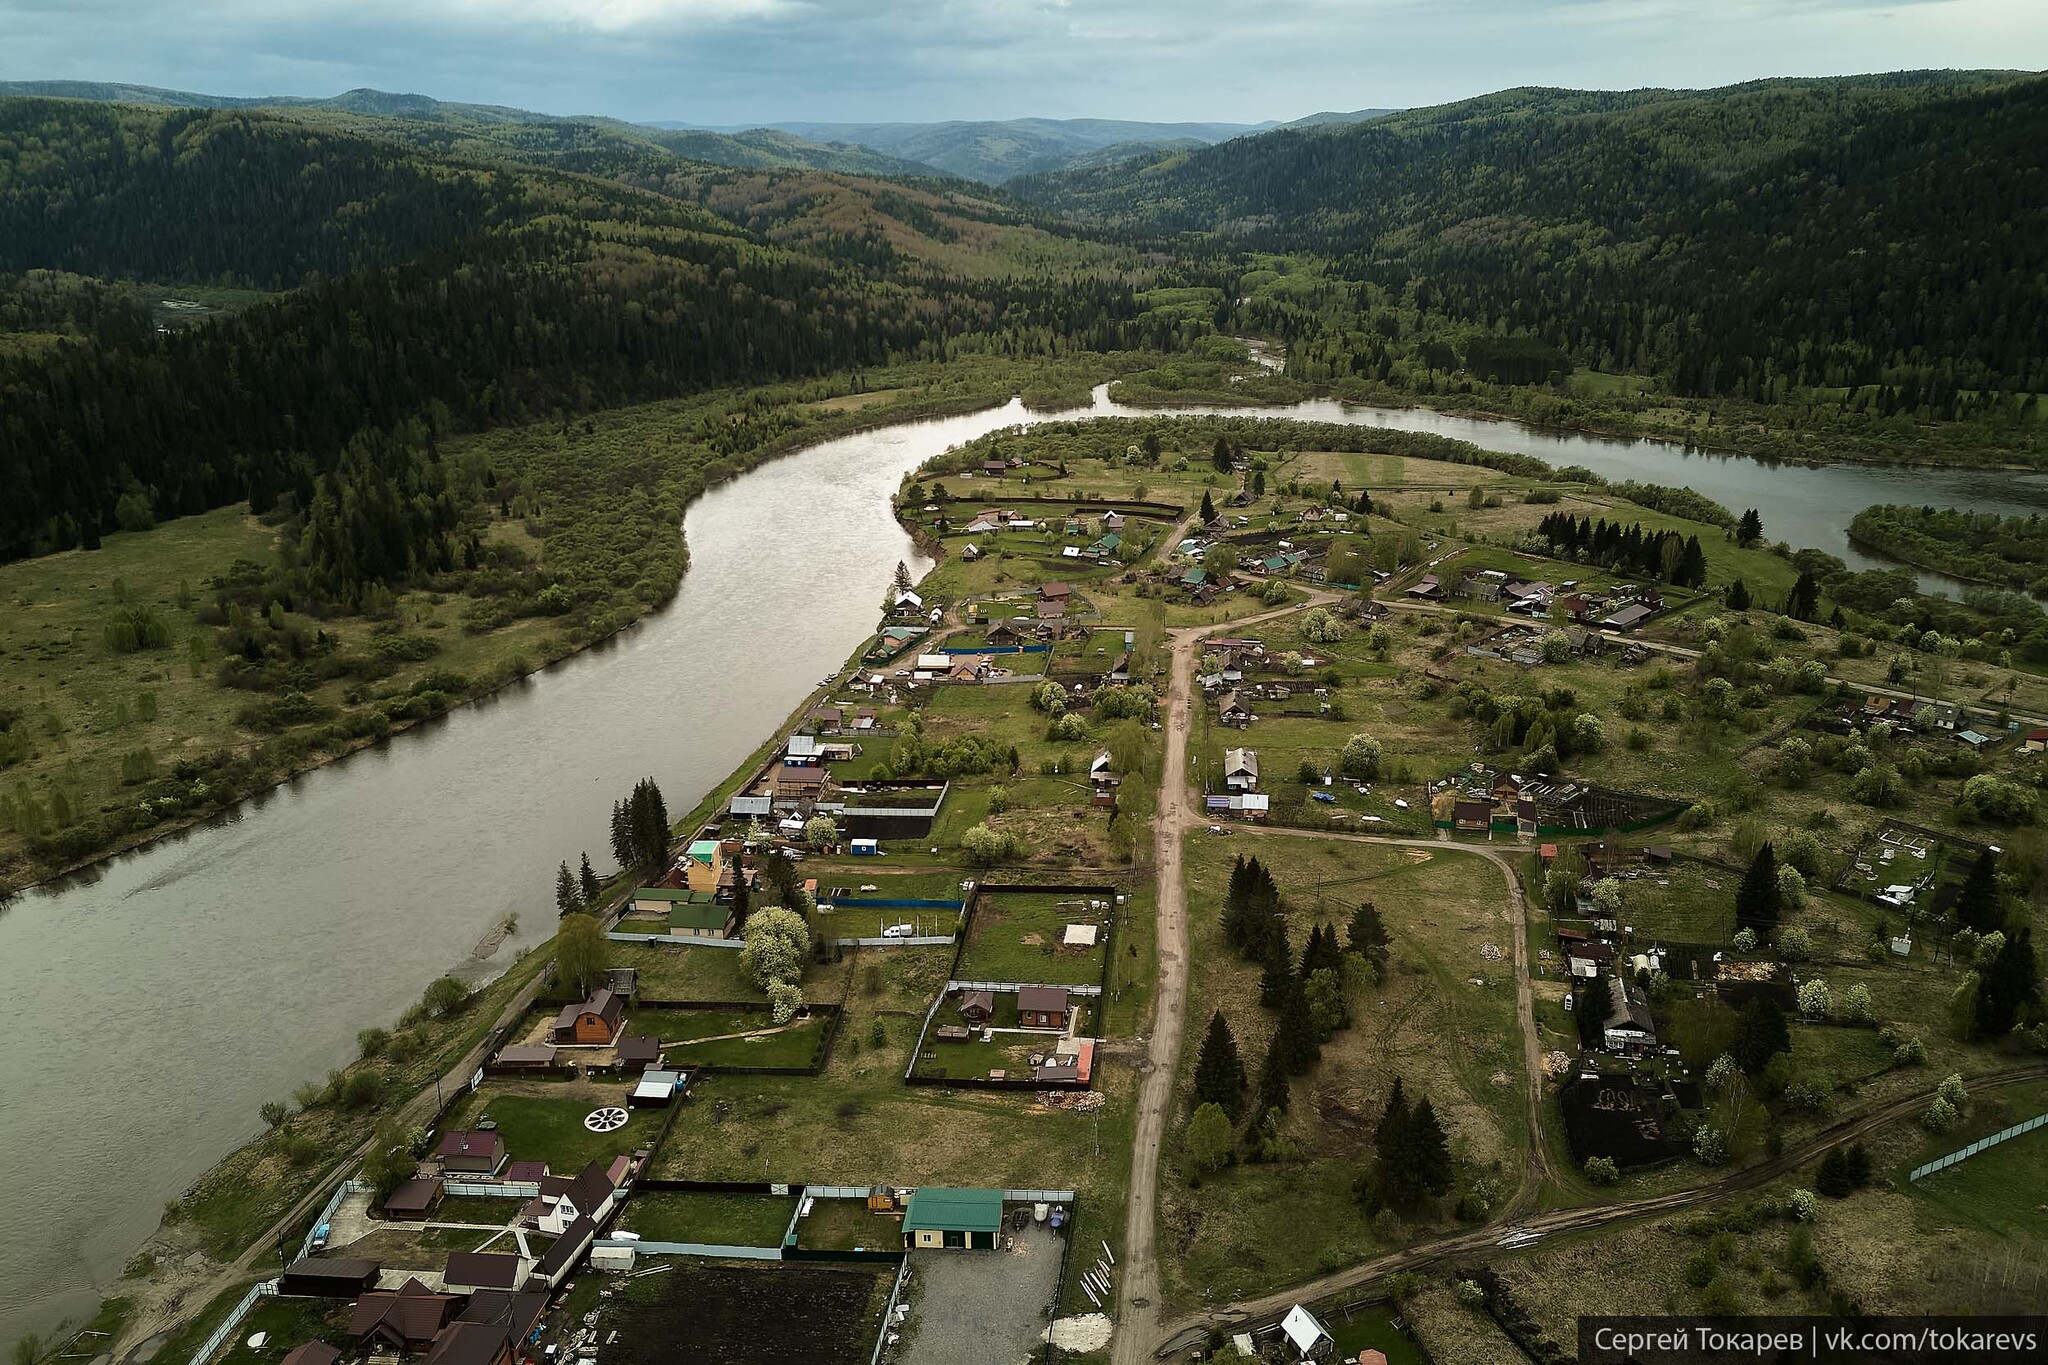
<point x="1982" y="548"/>
<point x="134" y="750"/>
<point x="1696" y="426"/>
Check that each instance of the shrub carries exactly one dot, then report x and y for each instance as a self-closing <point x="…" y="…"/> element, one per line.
<point x="1940" y="1116"/>
<point x="1360" y="757"/>
<point x="784" y="1000"/>
<point x="1795" y="944"/>
<point x="1814" y="1002"/>
<point x="1951" y="1089"/>
<point x="1470" y="1294"/>
<point x="1802" y="1206"/>
<point x="1601" y="1170"/>
<point x="371" y="1042"/>
<point x="1855" y="1007"/>
<point x="444" y="996"/>
<point x="1709" y="1146"/>
<point x="274" y="1113"/>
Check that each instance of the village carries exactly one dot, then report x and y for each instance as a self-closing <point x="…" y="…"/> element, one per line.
<point x="1509" y="889"/>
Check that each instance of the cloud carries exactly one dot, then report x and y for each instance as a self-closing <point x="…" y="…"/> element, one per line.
<point x="736" y="61"/>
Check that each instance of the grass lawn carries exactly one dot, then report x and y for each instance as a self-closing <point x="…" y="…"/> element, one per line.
<point x="286" y="1323"/>
<point x="476" y="1208"/>
<point x="550" y="1127"/>
<point x="1998" y="1190"/>
<point x="1374" y="1328"/>
<point x="1017" y="936"/>
<point x="687" y="973"/>
<point x="847" y="1225"/>
<point x="739" y="1220"/>
<point x="794" y="1044"/>
<point x="411" y="1247"/>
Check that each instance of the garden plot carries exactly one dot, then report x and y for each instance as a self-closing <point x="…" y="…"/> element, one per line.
<point x="713" y="1037"/>
<point x="1026" y="936"/>
<point x="713" y="1313"/>
<point x="544" y="1120"/>
<point x="710" y="1218"/>
<point x="1929" y="868"/>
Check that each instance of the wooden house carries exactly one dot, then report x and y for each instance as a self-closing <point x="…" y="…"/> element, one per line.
<point x="1042" y="1006"/>
<point x="466" y="1151"/>
<point x="594" y="1022"/>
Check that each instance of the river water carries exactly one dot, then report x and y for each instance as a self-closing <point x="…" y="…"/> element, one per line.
<point x="161" y="999"/>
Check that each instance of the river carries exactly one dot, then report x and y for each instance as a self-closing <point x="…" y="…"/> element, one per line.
<point x="162" y="998"/>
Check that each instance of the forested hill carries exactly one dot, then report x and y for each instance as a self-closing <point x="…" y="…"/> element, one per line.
<point x="536" y="136"/>
<point x="1821" y="232"/>
<point x="418" y="293"/>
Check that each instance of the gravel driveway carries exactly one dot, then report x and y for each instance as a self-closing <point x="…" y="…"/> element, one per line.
<point x="982" y="1305"/>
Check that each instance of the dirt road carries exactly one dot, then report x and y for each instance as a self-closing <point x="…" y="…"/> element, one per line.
<point x="1487" y="1239"/>
<point x="1525" y="988"/>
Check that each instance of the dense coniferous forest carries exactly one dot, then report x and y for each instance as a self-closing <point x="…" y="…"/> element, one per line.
<point x="453" y="293"/>
<point x="1870" y="231"/>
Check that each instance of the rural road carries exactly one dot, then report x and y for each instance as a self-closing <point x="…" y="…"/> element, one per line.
<point x="1138" y="1310"/>
<point x="1485" y="1240"/>
<point x="1525" y="988"/>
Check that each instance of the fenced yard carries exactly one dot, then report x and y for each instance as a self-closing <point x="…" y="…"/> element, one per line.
<point x="1020" y="936"/>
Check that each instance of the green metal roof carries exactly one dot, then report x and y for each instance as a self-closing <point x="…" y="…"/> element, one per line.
<point x="669" y="893"/>
<point x="940" y="1209"/>
<point x="698" y="914"/>
<point x="704" y="850"/>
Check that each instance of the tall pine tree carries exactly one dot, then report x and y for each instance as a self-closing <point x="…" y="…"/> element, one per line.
<point x="1757" y="899"/>
<point x="587" y="881"/>
<point x="1368" y="937"/>
<point x="1979" y="905"/>
<point x="1219" y="1070"/>
<point x="567" y="902"/>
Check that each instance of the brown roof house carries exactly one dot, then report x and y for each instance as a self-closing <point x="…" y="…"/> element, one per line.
<point x="639" y="1053"/>
<point x="594" y="1022"/>
<point x="328" y="1277"/>
<point x="483" y="1270"/>
<point x="311" y="1353"/>
<point x="1042" y="1006"/>
<point x="469" y="1152"/>
<point x="405" y="1320"/>
<point x="471" y="1343"/>
<point x="977" y="1006"/>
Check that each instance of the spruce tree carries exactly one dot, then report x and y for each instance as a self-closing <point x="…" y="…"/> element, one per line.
<point x="622" y="836"/>
<point x="2009" y="988"/>
<point x="567" y="902"/>
<point x="1760" y="1034"/>
<point x="1368" y="937"/>
<point x="1321" y="953"/>
<point x="1219" y="1070"/>
<point x="742" y="891"/>
<point x="1220" y="455"/>
<point x="1296" y="1030"/>
<point x="1430" y="1149"/>
<point x="1273" y="1084"/>
<point x="1208" y="508"/>
<point x="587" y="881"/>
<point x="1277" y="976"/>
<point x="1738" y="596"/>
<point x="1392" y="1162"/>
<point x="1750" y="529"/>
<point x="1757" y="899"/>
<point x="1978" y="905"/>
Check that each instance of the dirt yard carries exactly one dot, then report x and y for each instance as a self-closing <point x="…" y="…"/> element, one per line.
<point x="981" y="1305"/>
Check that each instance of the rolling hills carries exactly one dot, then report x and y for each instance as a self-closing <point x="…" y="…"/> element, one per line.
<point x="1836" y="233"/>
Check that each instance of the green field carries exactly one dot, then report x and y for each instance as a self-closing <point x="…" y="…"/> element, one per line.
<point x="1018" y="936"/>
<point x="549" y="1127"/>
<point x="708" y="1037"/>
<point x="738" y="1220"/>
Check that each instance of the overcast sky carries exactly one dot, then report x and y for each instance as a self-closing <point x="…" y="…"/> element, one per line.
<point x="734" y="61"/>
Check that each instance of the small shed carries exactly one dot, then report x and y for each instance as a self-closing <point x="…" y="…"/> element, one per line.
<point x="639" y="1052"/>
<point x="954" y="1033"/>
<point x="537" y="1057"/>
<point x="1081" y="935"/>
<point x="965" y="1219"/>
<point x="412" y="1201"/>
<point x="977" y="1006"/>
<point x="311" y="1353"/>
<point x="656" y="1090"/>
<point x="328" y="1277"/>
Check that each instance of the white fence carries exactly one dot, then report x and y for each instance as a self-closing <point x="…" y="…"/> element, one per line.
<point x="341" y="1192"/>
<point x="232" y="1321"/>
<point x="492" y="1189"/>
<point x="1942" y="1163"/>
<point x="923" y="941"/>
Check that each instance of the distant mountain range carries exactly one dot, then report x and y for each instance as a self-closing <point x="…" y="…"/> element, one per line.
<point x="531" y="133"/>
<point x="988" y="151"/>
<point x="993" y="151"/>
